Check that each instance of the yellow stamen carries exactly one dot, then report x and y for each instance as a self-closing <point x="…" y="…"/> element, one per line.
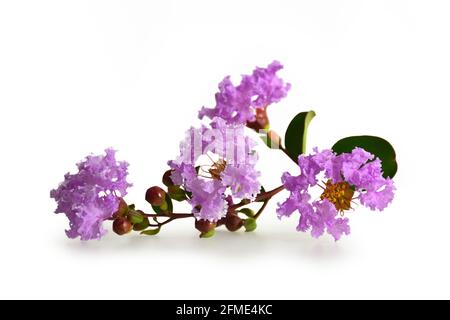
<point x="340" y="194"/>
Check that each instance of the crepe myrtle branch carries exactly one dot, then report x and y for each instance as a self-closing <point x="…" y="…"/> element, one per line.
<point x="127" y="218"/>
<point x="355" y="169"/>
<point x="161" y="200"/>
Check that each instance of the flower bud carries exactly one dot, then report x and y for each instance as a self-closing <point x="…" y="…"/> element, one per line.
<point x="261" y="120"/>
<point x="155" y="196"/>
<point x="233" y="222"/>
<point x="122" y="226"/>
<point x="273" y="139"/>
<point x="208" y="234"/>
<point x="204" y="226"/>
<point x="166" y="179"/>
<point x="121" y="210"/>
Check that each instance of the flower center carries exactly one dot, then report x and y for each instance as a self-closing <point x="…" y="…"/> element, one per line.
<point x="340" y="194"/>
<point x="217" y="168"/>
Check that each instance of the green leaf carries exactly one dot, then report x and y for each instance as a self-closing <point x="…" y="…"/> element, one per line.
<point x="208" y="234"/>
<point x="135" y="217"/>
<point x="375" y="145"/>
<point x="248" y="212"/>
<point x="165" y="208"/>
<point x="151" y="232"/>
<point x="250" y="224"/>
<point x="295" y="138"/>
<point x="176" y="193"/>
<point x="141" y="226"/>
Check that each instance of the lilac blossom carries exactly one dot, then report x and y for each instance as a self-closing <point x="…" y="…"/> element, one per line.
<point x="215" y="162"/>
<point x="237" y="104"/>
<point x="355" y="172"/>
<point x="91" y="195"/>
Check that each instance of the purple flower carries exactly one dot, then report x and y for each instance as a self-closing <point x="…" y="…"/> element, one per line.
<point x="213" y="163"/>
<point x="243" y="181"/>
<point x="236" y="105"/>
<point x="346" y="174"/>
<point x="324" y="218"/>
<point x="299" y="200"/>
<point x="208" y="201"/>
<point x="92" y="195"/>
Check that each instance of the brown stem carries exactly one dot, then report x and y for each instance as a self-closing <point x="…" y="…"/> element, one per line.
<point x="261" y="197"/>
<point x="265" y="197"/>
<point x="266" y="202"/>
<point x="167" y="221"/>
<point x="171" y="216"/>
<point x="285" y="151"/>
<point x="273" y="135"/>
<point x="269" y="194"/>
<point x="168" y="215"/>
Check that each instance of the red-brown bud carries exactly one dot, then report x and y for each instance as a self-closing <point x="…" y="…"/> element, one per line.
<point x="121" y="210"/>
<point x="233" y="222"/>
<point x="166" y="179"/>
<point x="261" y="120"/>
<point x="122" y="226"/>
<point x="155" y="196"/>
<point x="204" y="225"/>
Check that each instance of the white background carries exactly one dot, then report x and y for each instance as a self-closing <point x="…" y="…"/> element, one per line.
<point x="79" y="76"/>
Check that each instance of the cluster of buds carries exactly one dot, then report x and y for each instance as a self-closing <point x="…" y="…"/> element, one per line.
<point x="127" y="219"/>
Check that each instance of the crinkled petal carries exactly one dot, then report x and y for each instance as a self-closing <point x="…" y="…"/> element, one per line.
<point x="237" y="104"/>
<point x="208" y="200"/>
<point x="92" y="195"/>
<point x="233" y="167"/>
<point x="380" y="197"/>
<point x="243" y="181"/>
<point x="338" y="228"/>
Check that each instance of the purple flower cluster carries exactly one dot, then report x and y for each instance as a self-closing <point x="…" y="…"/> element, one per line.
<point x="214" y="163"/>
<point x="347" y="173"/>
<point x="215" y="172"/>
<point x="237" y="104"/>
<point x="92" y="195"/>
